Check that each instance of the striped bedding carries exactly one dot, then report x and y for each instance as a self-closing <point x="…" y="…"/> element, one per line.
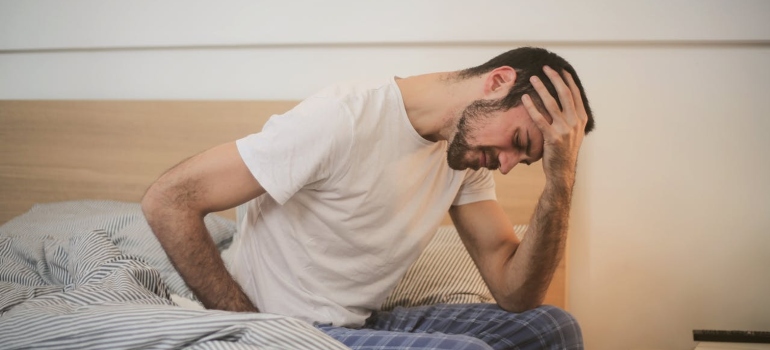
<point x="91" y="275"/>
<point x="443" y="274"/>
<point x="67" y="282"/>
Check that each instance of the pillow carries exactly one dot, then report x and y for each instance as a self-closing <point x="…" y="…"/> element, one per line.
<point x="125" y="226"/>
<point x="443" y="274"/>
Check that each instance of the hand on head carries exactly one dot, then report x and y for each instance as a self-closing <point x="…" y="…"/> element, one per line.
<point x="564" y="135"/>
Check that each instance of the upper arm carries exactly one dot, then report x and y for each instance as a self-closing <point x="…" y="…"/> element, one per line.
<point x="489" y="237"/>
<point x="214" y="180"/>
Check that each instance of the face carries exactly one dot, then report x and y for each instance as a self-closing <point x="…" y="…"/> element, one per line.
<point x="494" y="139"/>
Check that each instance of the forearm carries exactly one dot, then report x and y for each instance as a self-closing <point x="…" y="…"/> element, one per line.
<point x="188" y="244"/>
<point x="531" y="267"/>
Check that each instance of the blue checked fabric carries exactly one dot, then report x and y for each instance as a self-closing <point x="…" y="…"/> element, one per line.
<point x="463" y="326"/>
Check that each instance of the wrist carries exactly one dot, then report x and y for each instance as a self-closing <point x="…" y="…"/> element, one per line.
<point x="559" y="188"/>
<point x="561" y="180"/>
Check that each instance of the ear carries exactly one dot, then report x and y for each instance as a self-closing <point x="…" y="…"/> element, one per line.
<point x="498" y="82"/>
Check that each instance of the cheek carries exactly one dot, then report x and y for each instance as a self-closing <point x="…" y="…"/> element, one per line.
<point x="537" y="142"/>
<point x="481" y="137"/>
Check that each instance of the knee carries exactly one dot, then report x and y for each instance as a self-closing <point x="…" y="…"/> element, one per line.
<point x="560" y="329"/>
<point x="545" y="327"/>
<point x="471" y="343"/>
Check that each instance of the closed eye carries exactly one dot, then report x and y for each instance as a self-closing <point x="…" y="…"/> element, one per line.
<point x="517" y="144"/>
<point x="516" y="140"/>
<point x="520" y="146"/>
<point x="529" y="146"/>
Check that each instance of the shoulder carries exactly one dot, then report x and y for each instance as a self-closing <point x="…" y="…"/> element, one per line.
<point x="360" y="96"/>
<point x="344" y="112"/>
<point x="353" y="89"/>
<point x="316" y="114"/>
<point x="340" y="101"/>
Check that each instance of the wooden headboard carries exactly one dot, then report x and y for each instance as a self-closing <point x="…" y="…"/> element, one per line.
<point x="66" y="150"/>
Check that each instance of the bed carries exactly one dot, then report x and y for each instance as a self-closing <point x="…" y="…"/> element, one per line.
<point x="81" y="269"/>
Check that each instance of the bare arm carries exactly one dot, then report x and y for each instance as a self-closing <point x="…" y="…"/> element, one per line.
<point x="518" y="273"/>
<point x="175" y="206"/>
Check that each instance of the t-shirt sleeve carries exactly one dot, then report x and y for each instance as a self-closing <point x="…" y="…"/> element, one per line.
<point x="479" y="185"/>
<point x="300" y="148"/>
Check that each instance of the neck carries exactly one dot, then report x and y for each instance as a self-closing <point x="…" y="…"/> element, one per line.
<point x="434" y="102"/>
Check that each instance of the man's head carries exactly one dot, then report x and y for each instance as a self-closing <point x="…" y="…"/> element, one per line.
<point x="498" y="132"/>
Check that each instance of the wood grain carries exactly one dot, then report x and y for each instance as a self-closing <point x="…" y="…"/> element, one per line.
<point x="67" y="150"/>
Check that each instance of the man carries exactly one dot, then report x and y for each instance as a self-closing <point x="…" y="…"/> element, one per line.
<point x="346" y="189"/>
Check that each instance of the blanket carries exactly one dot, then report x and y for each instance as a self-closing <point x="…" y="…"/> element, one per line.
<point x="72" y="287"/>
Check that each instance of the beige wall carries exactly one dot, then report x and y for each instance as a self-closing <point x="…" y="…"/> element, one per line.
<point x="671" y="225"/>
<point x="670" y="222"/>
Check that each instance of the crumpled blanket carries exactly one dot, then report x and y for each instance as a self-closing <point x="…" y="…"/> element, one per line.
<point x="79" y="291"/>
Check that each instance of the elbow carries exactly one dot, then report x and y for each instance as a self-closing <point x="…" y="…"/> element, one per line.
<point x="169" y="200"/>
<point x="151" y="205"/>
<point x="519" y="307"/>
<point x="160" y="212"/>
<point x="521" y="303"/>
<point x="147" y="202"/>
<point x="158" y="203"/>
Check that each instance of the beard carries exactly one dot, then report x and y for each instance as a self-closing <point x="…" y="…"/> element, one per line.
<point x="471" y="119"/>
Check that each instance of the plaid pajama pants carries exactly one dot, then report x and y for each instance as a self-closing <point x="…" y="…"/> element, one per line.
<point x="462" y="326"/>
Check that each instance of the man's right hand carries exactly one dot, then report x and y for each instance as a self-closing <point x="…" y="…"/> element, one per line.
<point x="175" y="206"/>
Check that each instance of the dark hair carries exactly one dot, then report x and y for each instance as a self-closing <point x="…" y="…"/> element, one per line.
<point x="529" y="61"/>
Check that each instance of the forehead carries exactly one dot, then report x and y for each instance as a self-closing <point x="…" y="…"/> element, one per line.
<point x="520" y="120"/>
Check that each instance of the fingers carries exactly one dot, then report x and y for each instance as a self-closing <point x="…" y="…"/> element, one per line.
<point x="577" y="97"/>
<point x="550" y="104"/>
<point x="563" y="91"/>
<point x="536" y="116"/>
<point x="572" y="112"/>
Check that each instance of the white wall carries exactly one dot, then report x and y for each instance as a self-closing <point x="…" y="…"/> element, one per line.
<point x="670" y="221"/>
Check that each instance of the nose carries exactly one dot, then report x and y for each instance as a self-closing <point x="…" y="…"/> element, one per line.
<point x="508" y="160"/>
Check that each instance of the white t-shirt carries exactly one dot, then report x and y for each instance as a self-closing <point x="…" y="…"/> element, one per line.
<point x="354" y="194"/>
